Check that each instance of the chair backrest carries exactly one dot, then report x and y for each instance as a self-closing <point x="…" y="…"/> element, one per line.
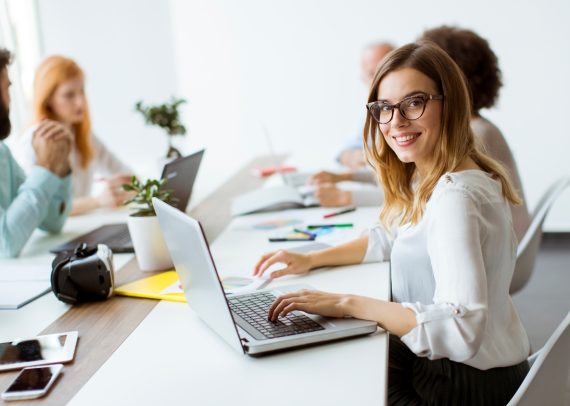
<point x="545" y="383"/>
<point x="530" y="243"/>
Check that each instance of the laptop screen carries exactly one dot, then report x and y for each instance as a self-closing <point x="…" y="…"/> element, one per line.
<point x="197" y="272"/>
<point x="181" y="175"/>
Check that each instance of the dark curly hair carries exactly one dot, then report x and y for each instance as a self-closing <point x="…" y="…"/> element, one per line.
<point x="475" y="58"/>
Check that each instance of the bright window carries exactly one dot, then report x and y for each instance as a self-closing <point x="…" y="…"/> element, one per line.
<point x="19" y="33"/>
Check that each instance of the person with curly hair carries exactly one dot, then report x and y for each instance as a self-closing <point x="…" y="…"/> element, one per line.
<point x="480" y="66"/>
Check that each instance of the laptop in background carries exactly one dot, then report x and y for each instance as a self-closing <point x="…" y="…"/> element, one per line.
<point x="291" y="179"/>
<point x="294" y="194"/>
<point x="241" y="319"/>
<point x="181" y="175"/>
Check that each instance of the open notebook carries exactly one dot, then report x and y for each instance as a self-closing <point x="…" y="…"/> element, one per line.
<point x="273" y="199"/>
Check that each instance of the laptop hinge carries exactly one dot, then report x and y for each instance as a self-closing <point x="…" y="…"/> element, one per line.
<point x="244" y="343"/>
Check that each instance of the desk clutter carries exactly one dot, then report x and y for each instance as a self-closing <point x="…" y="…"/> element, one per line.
<point x="139" y="316"/>
<point x="166" y="286"/>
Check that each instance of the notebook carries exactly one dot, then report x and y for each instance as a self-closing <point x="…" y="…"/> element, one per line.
<point x="181" y="174"/>
<point x="241" y="319"/>
<point x="294" y="193"/>
<point x="272" y="199"/>
<point x="163" y="286"/>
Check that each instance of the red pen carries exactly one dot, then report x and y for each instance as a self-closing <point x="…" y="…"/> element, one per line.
<point x="336" y="213"/>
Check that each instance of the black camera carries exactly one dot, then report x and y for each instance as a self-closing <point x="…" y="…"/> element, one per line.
<point x="86" y="275"/>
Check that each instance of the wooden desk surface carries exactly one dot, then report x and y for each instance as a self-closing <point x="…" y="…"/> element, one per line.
<point x="103" y="326"/>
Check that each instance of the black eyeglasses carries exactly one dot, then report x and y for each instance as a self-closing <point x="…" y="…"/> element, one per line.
<point x="411" y="108"/>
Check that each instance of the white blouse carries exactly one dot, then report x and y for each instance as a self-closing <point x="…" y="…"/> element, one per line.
<point x="104" y="163"/>
<point x="454" y="269"/>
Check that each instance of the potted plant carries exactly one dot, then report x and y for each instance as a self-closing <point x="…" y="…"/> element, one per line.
<point x="148" y="242"/>
<point x="165" y="116"/>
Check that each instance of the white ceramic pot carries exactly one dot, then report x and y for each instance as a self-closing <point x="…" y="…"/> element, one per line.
<point x="148" y="242"/>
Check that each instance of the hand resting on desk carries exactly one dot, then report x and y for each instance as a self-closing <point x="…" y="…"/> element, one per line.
<point x="296" y="264"/>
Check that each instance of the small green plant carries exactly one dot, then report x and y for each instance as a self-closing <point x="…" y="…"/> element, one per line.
<point x="144" y="192"/>
<point x="165" y="116"/>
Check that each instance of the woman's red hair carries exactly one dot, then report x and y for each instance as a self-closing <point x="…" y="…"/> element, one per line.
<point x="51" y="73"/>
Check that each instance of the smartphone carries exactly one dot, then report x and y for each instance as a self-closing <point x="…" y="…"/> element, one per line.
<point x="32" y="382"/>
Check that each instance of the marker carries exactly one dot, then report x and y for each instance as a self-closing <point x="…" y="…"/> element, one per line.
<point x="281" y="239"/>
<point x="337" y="213"/>
<point x="343" y="225"/>
<point x="307" y="233"/>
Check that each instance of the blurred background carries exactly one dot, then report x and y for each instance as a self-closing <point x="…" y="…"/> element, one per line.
<point x="292" y="68"/>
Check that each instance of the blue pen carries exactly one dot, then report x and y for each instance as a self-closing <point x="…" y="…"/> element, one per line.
<point x="307" y="233"/>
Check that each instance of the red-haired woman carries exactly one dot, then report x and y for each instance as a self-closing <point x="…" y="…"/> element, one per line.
<point x="59" y="95"/>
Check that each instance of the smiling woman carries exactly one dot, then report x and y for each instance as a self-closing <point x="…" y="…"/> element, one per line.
<point x="446" y="227"/>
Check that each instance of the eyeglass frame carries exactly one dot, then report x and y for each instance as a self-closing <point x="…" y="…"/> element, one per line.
<point x="425" y="96"/>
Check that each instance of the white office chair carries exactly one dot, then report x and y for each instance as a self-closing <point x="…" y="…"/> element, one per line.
<point x="530" y="243"/>
<point x="546" y="381"/>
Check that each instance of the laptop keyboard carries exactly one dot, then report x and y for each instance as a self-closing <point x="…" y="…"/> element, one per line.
<point x="116" y="236"/>
<point x="121" y="239"/>
<point x="253" y="309"/>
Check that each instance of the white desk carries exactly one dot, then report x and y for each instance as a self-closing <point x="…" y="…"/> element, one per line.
<point x="174" y="358"/>
<point x="29" y="320"/>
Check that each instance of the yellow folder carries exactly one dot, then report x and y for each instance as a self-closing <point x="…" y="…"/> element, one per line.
<point x="153" y="287"/>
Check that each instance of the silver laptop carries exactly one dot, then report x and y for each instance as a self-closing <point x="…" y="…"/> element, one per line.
<point x="241" y="319"/>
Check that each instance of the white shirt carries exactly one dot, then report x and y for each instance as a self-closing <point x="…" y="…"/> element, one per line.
<point x="104" y="163"/>
<point x="454" y="269"/>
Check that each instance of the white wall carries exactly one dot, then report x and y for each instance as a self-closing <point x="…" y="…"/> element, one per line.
<point x="126" y="50"/>
<point x="293" y="68"/>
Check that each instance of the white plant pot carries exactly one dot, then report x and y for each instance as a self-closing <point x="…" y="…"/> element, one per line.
<point x="148" y="242"/>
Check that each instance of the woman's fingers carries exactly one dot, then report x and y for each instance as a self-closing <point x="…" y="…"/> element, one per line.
<point x="263" y="258"/>
<point x="286" y="303"/>
<point x="309" y="301"/>
<point x="277" y="304"/>
<point x="52" y="130"/>
<point x="277" y="257"/>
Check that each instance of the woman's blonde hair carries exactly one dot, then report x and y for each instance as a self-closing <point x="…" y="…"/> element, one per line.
<point x="51" y="73"/>
<point x="402" y="199"/>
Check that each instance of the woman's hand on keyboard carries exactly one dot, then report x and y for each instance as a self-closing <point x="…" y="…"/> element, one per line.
<point x="310" y="301"/>
<point x="295" y="264"/>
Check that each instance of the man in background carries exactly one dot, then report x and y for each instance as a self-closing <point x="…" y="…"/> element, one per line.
<point x="352" y="156"/>
<point x="43" y="198"/>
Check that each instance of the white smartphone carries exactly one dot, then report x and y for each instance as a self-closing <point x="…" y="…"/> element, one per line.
<point x="32" y="382"/>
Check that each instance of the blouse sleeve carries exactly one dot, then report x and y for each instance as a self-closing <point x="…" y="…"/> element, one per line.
<point x="365" y="175"/>
<point x="369" y="196"/>
<point x="380" y="243"/>
<point x="107" y="163"/>
<point x="452" y="327"/>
